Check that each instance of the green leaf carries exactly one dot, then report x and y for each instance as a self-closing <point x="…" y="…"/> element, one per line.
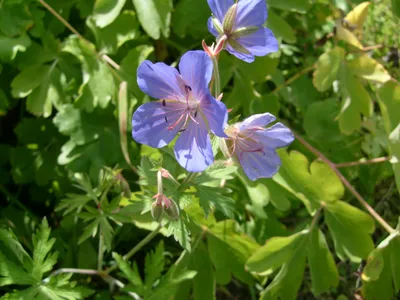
<point x="381" y="276"/>
<point x="4" y="103"/>
<point x="178" y="228"/>
<point x="275" y="253"/>
<point x="287" y="283"/>
<point x="389" y="102"/>
<point x="368" y="68"/>
<point x="15" y="18"/>
<point x="210" y="197"/>
<point x="311" y="183"/>
<point x="216" y="172"/>
<point x="131" y="273"/>
<point x="327" y="69"/>
<point x="350" y="229"/>
<point x="300" y="6"/>
<point x="229" y="249"/>
<point x="204" y="282"/>
<point x="43" y="261"/>
<point x="154" y="265"/>
<point x="324" y="274"/>
<point x="189" y="17"/>
<point x="11" y="242"/>
<point x="11" y="273"/>
<point x="396" y="7"/>
<point x="280" y="27"/>
<point x="106" y="11"/>
<point x="98" y="85"/>
<point x="9" y="47"/>
<point x="154" y="16"/>
<point x="123" y="29"/>
<point x="107" y="231"/>
<point x="355" y="101"/>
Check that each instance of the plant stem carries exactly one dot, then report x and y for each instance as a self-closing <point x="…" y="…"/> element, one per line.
<point x="189" y="178"/>
<point x="363" y="162"/>
<point x="102" y="57"/>
<point x="101" y="252"/>
<point x="217" y="78"/>
<point x="293" y="78"/>
<point x="352" y="190"/>
<point x="135" y="249"/>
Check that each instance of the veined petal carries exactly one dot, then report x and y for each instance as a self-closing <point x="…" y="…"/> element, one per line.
<point x="277" y="136"/>
<point x="251" y="13"/>
<point x="160" y="81"/>
<point x="259" y="120"/>
<point x="216" y="114"/>
<point x="196" y="69"/>
<point x="260" y="43"/>
<point x="151" y="120"/>
<point x="260" y="164"/>
<point x="193" y="148"/>
<point x="220" y="7"/>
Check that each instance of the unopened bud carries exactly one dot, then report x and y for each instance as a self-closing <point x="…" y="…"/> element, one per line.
<point x="157" y="211"/>
<point x="242" y="31"/>
<point x="171" y="209"/>
<point x="229" y="20"/>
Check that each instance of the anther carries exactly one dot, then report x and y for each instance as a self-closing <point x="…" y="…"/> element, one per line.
<point x="195" y="114"/>
<point x="188" y="88"/>
<point x="182" y="130"/>
<point x="164" y="103"/>
<point x="166" y="120"/>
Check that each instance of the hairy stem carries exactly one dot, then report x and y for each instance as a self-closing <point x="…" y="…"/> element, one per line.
<point x="363" y="162"/>
<point x="135" y="249"/>
<point x="102" y="57"/>
<point x="101" y="252"/>
<point x="292" y="79"/>
<point x="352" y="190"/>
<point x="217" y="78"/>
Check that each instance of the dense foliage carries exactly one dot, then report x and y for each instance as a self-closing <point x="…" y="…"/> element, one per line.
<point x="77" y="212"/>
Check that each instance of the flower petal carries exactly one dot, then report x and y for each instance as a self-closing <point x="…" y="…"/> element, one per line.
<point x="193" y="148"/>
<point x="160" y="81"/>
<point x="259" y="120"/>
<point x="196" y="69"/>
<point x="251" y="13"/>
<point x="260" y="164"/>
<point x="216" y="115"/>
<point x="260" y="43"/>
<point x="219" y="8"/>
<point x="277" y="136"/>
<point x="151" y="120"/>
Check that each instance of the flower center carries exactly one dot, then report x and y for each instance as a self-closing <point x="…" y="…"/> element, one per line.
<point x="240" y="142"/>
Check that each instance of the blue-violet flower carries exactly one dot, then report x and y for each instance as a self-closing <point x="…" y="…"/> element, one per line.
<point x="241" y="24"/>
<point x="185" y="106"/>
<point x="254" y="146"/>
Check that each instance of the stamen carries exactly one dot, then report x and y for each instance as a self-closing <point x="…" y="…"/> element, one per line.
<point x="171" y="127"/>
<point x="166" y="119"/>
<point x="193" y="118"/>
<point x="195" y="114"/>
<point x="164" y="103"/>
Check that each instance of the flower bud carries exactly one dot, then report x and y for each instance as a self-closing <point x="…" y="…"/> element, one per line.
<point x="157" y="211"/>
<point x="171" y="209"/>
<point x="229" y="20"/>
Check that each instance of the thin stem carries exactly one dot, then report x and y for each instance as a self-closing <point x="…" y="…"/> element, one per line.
<point x="135" y="249"/>
<point x="189" y="178"/>
<point x="101" y="252"/>
<point x="352" y="190"/>
<point x="292" y="79"/>
<point x="363" y="162"/>
<point x="217" y="78"/>
<point x="103" y="57"/>
<point x="316" y="217"/>
<point x="75" y="271"/>
<point x="159" y="183"/>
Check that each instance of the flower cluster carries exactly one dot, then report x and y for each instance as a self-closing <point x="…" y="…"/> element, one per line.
<point x="187" y="109"/>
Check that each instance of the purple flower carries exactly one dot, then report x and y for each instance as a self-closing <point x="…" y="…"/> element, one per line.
<point x="241" y="24"/>
<point x="186" y="107"/>
<point x="255" y="146"/>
